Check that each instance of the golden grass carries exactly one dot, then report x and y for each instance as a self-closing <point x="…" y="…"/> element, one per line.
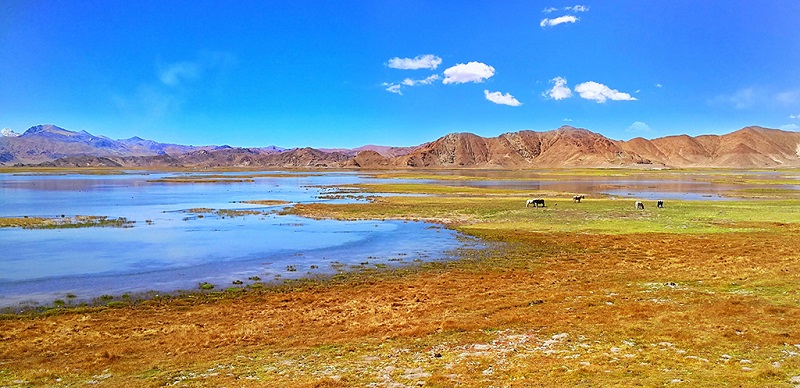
<point x="715" y="303"/>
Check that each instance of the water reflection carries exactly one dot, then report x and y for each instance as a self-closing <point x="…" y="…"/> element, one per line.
<point x="171" y="247"/>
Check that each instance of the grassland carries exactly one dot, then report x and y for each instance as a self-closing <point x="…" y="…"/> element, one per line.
<point x="597" y="293"/>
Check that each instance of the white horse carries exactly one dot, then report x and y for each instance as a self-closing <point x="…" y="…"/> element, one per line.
<point x="535" y="202"/>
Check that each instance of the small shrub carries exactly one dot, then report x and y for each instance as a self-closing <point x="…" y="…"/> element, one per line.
<point x="59" y="303"/>
<point x="206" y="286"/>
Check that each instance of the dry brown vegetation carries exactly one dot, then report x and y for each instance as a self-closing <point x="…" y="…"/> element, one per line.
<point x="541" y="308"/>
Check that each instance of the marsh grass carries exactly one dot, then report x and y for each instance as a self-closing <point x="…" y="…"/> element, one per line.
<point x="64" y="222"/>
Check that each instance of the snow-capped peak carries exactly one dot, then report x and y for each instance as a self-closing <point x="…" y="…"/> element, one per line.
<point x="8" y="132"/>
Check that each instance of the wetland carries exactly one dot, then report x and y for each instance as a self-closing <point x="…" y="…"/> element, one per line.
<point x="702" y="292"/>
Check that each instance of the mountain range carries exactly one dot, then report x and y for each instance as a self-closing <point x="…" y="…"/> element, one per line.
<point x="749" y="147"/>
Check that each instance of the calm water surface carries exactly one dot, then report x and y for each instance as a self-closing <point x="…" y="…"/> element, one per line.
<point x="170" y="248"/>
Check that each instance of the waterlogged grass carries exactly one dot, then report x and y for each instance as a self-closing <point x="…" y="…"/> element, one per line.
<point x="699" y="293"/>
<point x="64" y="222"/>
<point x="477" y="208"/>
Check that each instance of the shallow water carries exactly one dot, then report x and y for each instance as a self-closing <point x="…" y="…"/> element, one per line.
<point x="170" y="248"/>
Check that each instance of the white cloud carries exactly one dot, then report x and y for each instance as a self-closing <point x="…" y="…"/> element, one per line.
<point x="415" y="82"/>
<point x="468" y="72"/>
<point x="550" y="9"/>
<point x="500" y="98"/>
<point x="794" y="116"/>
<point x="577" y="8"/>
<point x="598" y="92"/>
<point x="393" y="88"/>
<point x="639" y="127"/>
<point x="790" y="127"/>
<point x="173" y="74"/>
<point x="659" y="86"/>
<point x="428" y="61"/>
<point x="568" y="120"/>
<point x="559" y="20"/>
<point x="560" y="90"/>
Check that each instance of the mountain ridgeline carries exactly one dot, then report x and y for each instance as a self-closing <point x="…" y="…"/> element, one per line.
<point x="750" y="147"/>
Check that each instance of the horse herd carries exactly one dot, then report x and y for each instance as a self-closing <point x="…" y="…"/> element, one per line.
<point x="577" y="199"/>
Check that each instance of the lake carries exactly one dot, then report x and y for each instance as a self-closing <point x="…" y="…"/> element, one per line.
<point x="175" y="246"/>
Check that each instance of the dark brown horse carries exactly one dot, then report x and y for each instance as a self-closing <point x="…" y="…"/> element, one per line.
<point x="578" y="198"/>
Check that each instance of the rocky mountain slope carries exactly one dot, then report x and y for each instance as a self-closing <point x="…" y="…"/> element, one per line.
<point x="750" y="147"/>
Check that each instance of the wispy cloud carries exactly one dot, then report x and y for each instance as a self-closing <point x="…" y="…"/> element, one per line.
<point x="408" y="82"/>
<point x="428" y="61"/>
<point x="559" y="20"/>
<point x="659" y="86"/>
<point x="577" y="8"/>
<point x="559" y="91"/>
<point x="173" y="85"/>
<point x="502" y="99"/>
<point x="788" y="97"/>
<point x="794" y="117"/>
<point x="639" y="127"/>
<point x="425" y="81"/>
<point x="550" y="22"/>
<point x="468" y="72"/>
<point x="393" y="88"/>
<point x="790" y="127"/>
<point x="172" y="74"/>
<point x="177" y="73"/>
<point x="756" y="97"/>
<point x="600" y="93"/>
<point x="740" y="99"/>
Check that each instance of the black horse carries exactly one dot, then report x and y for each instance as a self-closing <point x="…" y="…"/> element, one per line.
<point x="535" y="202"/>
<point x="578" y="198"/>
<point x="660" y="204"/>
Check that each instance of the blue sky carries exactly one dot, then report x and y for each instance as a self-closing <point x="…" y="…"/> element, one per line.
<point x="349" y="73"/>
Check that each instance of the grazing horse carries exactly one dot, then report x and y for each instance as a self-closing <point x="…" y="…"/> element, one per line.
<point x="535" y="202"/>
<point x="639" y="205"/>
<point x="578" y="198"/>
<point x="660" y="204"/>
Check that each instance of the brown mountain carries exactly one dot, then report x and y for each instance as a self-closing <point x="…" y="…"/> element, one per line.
<point x="564" y="147"/>
<point x="751" y="147"/>
<point x="747" y="147"/>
